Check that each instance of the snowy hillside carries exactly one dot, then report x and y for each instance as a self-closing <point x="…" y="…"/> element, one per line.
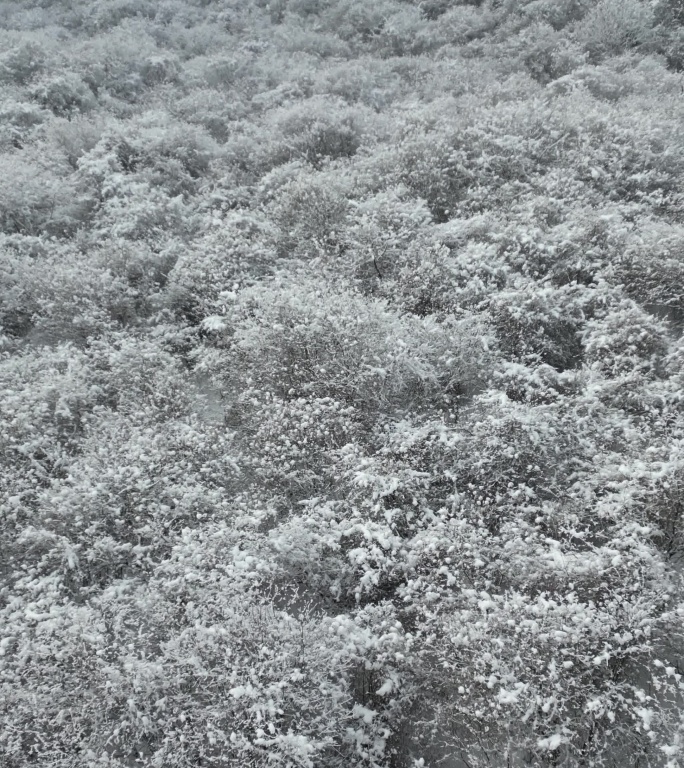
<point x="341" y="383"/>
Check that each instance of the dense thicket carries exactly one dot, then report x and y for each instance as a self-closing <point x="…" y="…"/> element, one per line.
<point x="341" y="383"/>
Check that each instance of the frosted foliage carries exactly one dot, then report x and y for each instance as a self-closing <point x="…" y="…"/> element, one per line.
<point x="341" y="384"/>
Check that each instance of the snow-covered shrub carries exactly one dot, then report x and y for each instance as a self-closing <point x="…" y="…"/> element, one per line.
<point x="548" y="54"/>
<point x="105" y="15"/>
<point x="112" y="63"/>
<point x="540" y="326"/>
<point x="626" y="339"/>
<point x="285" y="338"/>
<point x="311" y="215"/>
<point x="33" y="203"/>
<point x="317" y="130"/>
<point x="23" y="63"/>
<point x="614" y="26"/>
<point x="64" y="95"/>
<point x="158" y="70"/>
